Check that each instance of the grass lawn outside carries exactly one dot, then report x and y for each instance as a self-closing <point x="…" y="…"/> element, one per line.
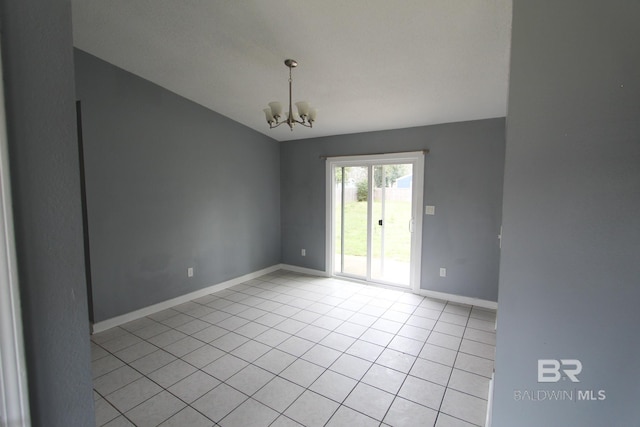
<point x="396" y="228"/>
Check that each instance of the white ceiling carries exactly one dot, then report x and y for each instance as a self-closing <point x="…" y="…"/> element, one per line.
<point x="364" y="64"/>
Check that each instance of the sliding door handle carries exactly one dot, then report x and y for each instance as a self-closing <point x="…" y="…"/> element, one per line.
<point x="379" y="222"/>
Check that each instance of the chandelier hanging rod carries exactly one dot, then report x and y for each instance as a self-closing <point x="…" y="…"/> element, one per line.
<point x="305" y="115"/>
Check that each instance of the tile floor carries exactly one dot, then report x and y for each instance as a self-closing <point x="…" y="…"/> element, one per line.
<point x="288" y="350"/>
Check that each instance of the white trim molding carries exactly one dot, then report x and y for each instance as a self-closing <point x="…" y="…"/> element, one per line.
<point x="14" y="398"/>
<point x="304" y="270"/>
<point x="416" y="158"/>
<point x="137" y="314"/>
<point x="491" y="305"/>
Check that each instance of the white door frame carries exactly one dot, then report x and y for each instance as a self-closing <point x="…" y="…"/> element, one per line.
<point x="14" y="400"/>
<point x="414" y="157"/>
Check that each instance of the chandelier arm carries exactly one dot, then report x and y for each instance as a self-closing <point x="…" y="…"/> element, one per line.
<point x="272" y="126"/>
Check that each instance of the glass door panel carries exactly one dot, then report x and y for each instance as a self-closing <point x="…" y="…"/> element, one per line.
<point x="351" y="235"/>
<point x="373" y="219"/>
<point x="391" y="223"/>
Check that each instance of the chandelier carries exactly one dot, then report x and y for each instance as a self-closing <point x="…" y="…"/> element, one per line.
<point x="305" y="115"/>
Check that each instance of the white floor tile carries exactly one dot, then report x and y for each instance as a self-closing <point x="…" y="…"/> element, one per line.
<point x="188" y="417"/>
<point x="272" y="337"/>
<point x="251" y="329"/>
<point x="406" y="345"/>
<point x="155" y="410"/>
<point x="384" y="378"/>
<point x="251" y="350"/>
<point x="302" y="372"/>
<point x="295" y="346"/>
<point x="300" y="346"/>
<point x="445" y="420"/>
<point x="478" y="349"/>
<point x="444" y="340"/>
<point x="275" y="361"/>
<point x="311" y="409"/>
<point x="210" y="333"/>
<point x="250" y="414"/>
<point x="452" y="318"/>
<point x="345" y="416"/>
<point x="278" y="394"/>
<point x="464" y="406"/>
<point x="338" y="341"/>
<point x="333" y="385"/>
<point x="166" y="338"/>
<point x="104" y="412"/>
<point x="225" y="367"/>
<point x="219" y="402"/>
<point x="121" y="421"/>
<point x="250" y="379"/>
<point x="466" y="382"/>
<point x="203" y="356"/>
<point x="351" y="366"/>
<point x="194" y="386"/>
<point x="431" y="371"/>
<point x="133" y="394"/>
<point x="136" y="351"/>
<point x="405" y="413"/>
<point x="153" y="361"/>
<point x="184" y="346"/>
<point x="396" y="360"/>
<point x="369" y="400"/>
<point x="480" y="336"/>
<point x="229" y="342"/>
<point x="312" y="333"/>
<point x="365" y="350"/>
<point x="474" y="364"/>
<point x="283" y="421"/>
<point x="105" y="364"/>
<point x="108" y="383"/>
<point x="438" y="354"/>
<point x="423" y="392"/>
<point x="321" y="355"/>
<point x="170" y="374"/>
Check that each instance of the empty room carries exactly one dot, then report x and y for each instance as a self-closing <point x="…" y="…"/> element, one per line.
<point x="251" y="213"/>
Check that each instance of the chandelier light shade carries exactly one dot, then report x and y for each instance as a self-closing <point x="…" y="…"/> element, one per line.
<point x="304" y="116"/>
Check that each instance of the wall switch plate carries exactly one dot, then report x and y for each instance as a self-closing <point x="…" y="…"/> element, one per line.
<point x="443" y="272"/>
<point x="429" y="210"/>
<point x="190" y="272"/>
<point x="303" y="252"/>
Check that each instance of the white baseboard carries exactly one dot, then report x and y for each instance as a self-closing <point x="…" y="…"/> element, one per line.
<point x="488" y="420"/>
<point x="304" y="270"/>
<point x="137" y="314"/>
<point x="492" y="305"/>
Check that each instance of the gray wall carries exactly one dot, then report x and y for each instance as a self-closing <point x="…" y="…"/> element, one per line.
<point x="170" y="185"/>
<point x="569" y="277"/>
<point x="463" y="179"/>
<point x="38" y="82"/>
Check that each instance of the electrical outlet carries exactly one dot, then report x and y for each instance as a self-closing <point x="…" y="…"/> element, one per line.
<point x="190" y="272"/>
<point x="443" y="272"/>
<point x="303" y="252"/>
<point x="429" y="210"/>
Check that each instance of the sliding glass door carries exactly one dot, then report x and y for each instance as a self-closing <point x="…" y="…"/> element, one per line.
<point x="375" y="202"/>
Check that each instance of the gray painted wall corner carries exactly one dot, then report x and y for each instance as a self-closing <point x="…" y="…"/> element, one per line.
<point x="170" y="185"/>
<point x="463" y="179"/>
